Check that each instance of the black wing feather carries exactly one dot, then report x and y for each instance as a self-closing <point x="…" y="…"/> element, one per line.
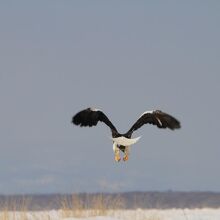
<point x="158" y="118"/>
<point x="90" y="117"/>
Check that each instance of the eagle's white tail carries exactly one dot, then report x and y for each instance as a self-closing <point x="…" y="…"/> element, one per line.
<point x="125" y="141"/>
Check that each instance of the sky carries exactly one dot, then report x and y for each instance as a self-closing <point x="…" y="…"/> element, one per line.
<point x="124" y="57"/>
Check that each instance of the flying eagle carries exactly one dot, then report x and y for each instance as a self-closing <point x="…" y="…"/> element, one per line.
<point x="122" y="142"/>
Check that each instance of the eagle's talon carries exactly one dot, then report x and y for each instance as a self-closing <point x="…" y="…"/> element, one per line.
<point x="125" y="158"/>
<point x="117" y="158"/>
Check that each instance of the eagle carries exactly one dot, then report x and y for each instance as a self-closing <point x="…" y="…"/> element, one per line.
<point x="121" y="142"/>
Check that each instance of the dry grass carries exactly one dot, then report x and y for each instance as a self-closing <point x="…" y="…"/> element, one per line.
<point x="14" y="210"/>
<point x="75" y="206"/>
<point x="102" y="205"/>
<point x="72" y="207"/>
<point x="97" y="205"/>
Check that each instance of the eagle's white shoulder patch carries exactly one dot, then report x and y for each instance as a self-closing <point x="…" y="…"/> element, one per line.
<point x="95" y="109"/>
<point x="147" y="112"/>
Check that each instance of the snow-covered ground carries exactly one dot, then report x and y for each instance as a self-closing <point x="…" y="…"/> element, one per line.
<point x="139" y="214"/>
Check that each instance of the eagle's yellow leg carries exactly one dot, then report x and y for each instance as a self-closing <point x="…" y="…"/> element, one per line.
<point x="116" y="152"/>
<point x="125" y="158"/>
<point x="117" y="157"/>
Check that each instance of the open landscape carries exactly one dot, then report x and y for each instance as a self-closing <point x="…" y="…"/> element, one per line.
<point x="109" y="110"/>
<point x="102" y="206"/>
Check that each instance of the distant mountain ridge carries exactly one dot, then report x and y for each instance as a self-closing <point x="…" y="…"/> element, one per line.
<point x="126" y="200"/>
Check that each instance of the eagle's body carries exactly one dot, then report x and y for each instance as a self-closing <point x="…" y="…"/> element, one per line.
<point x="121" y="142"/>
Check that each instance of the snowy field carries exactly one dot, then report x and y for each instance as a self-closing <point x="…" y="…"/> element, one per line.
<point x="139" y="214"/>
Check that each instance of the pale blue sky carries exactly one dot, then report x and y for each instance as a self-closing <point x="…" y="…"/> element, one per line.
<point x="125" y="57"/>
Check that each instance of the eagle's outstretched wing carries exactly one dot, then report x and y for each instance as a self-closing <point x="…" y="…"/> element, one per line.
<point x="90" y="117"/>
<point x="156" y="117"/>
